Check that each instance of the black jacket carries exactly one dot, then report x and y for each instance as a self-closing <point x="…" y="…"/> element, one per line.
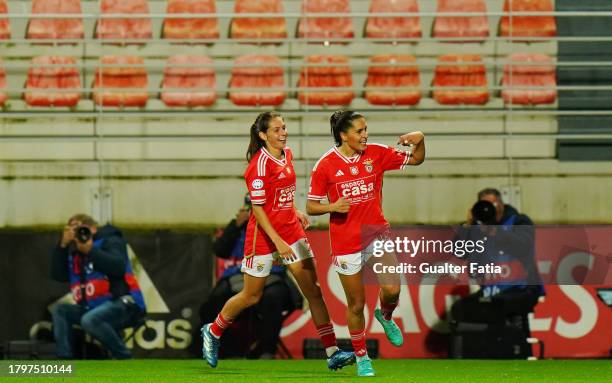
<point x="224" y="245"/>
<point x="518" y="240"/>
<point x="110" y="259"/>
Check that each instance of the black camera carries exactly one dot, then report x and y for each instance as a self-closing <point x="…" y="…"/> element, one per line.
<point x="484" y="213"/>
<point x="82" y="234"/>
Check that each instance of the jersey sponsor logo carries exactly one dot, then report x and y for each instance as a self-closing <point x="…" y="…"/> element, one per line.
<point x="257" y="184"/>
<point x="283" y="198"/>
<point x="357" y="191"/>
<point x="368" y="164"/>
<point x="354" y="170"/>
<point x="339" y="173"/>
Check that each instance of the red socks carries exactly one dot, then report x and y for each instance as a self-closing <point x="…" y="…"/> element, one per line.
<point x="359" y="342"/>
<point x="327" y="335"/>
<point x="219" y="325"/>
<point x="386" y="308"/>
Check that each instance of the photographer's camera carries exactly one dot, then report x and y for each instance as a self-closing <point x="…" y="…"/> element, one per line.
<point x="82" y="234"/>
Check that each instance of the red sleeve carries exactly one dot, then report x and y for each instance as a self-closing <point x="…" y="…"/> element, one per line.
<point x="392" y="159"/>
<point x="318" y="184"/>
<point x="256" y="180"/>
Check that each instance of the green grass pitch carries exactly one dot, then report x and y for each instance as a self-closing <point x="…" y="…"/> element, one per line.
<point x="397" y="370"/>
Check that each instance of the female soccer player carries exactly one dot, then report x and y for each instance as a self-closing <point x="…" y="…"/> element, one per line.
<point x="350" y="176"/>
<point x="275" y="230"/>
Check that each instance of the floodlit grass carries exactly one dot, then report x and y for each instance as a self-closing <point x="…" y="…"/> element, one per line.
<point x="397" y="370"/>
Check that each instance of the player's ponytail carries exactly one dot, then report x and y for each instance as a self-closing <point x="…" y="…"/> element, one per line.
<point x="341" y="121"/>
<point x="260" y="125"/>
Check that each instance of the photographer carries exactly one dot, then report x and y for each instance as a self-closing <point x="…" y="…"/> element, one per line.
<point x="493" y="322"/>
<point x="510" y="240"/>
<point x="280" y="295"/>
<point x="94" y="260"/>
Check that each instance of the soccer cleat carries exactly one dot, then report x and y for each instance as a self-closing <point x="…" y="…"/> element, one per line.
<point x="340" y="359"/>
<point x="364" y="367"/>
<point x="394" y="334"/>
<point x="210" y="346"/>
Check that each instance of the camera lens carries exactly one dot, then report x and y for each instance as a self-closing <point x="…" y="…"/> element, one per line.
<point x="484" y="213"/>
<point x="83" y="234"/>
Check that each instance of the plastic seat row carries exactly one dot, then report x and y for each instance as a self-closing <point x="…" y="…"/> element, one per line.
<point x="189" y="80"/>
<point x="472" y="27"/>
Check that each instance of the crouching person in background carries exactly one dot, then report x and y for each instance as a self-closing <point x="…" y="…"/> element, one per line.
<point x="94" y="260"/>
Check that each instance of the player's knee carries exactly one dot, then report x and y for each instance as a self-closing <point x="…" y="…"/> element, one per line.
<point x="252" y="299"/>
<point x="356" y="305"/>
<point x="312" y="293"/>
<point x="392" y="292"/>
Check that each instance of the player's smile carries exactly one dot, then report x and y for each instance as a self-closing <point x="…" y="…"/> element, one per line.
<point x="276" y="136"/>
<point x="357" y="136"/>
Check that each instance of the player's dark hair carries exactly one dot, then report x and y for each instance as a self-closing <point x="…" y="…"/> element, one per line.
<point x="341" y="121"/>
<point x="261" y="124"/>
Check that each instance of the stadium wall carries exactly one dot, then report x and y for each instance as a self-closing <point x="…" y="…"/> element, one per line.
<point x="208" y="192"/>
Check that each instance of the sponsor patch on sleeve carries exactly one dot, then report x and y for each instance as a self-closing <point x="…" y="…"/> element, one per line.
<point x="257" y="184"/>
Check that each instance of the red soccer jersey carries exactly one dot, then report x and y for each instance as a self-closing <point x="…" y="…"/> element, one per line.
<point x="271" y="183"/>
<point x="359" y="180"/>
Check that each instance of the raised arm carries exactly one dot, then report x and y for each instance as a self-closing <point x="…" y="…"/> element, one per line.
<point x="418" y="151"/>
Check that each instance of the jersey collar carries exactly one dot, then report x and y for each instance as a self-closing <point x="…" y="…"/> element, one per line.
<point x="348" y="160"/>
<point x="270" y="156"/>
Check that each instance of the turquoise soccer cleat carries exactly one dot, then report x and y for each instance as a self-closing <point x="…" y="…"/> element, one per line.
<point x="210" y="346"/>
<point x="394" y="334"/>
<point x="340" y="359"/>
<point x="364" y="367"/>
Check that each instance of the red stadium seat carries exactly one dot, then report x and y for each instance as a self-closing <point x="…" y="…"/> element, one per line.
<point x="128" y="28"/>
<point x="517" y="75"/>
<point x="198" y="83"/>
<point x="403" y="74"/>
<point x="266" y="28"/>
<point x="49" y="77"/>
<point x="528" y="26"/>
<point x="2" y="84"/>
<point x="462" y="26"/>
<point x="55" y="28"/>
<point x="337" y="76"/>
<point x="5" y="28"/>
<point x="325" y="28"/>
<point x="132" y="78"/>
<point x="393" y="27"/>
<point x="464" y="71"/>
<point x="196" y="28"/>
<point x="268" y="77"/>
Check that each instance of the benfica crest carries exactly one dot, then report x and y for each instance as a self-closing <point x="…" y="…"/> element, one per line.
<point x="260" y="267"/>
<point x="369" y="167"/>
